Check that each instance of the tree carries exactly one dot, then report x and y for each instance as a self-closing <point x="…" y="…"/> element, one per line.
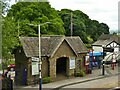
<point x="83" y="26"/>
<point x="9" y="37"/>
<point x="36" y="13"/>
<point x="24" y="13"/>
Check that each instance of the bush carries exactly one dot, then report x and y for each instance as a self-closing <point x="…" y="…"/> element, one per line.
<point x="7" y="62"/>
<point x="46" y="80"/>
<point x="80" y="73"/>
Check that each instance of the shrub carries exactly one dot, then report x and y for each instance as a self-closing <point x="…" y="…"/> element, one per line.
<point x="46" y="80"/>
<point x="80" y="73"/>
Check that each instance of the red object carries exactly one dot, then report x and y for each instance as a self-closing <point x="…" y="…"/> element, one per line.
<point x="113" y="61"/>
<point x="113" y="64"/>
<point x="92" y="56"/>
<point x="11" y="66"/>
<point x="86" y="69"/>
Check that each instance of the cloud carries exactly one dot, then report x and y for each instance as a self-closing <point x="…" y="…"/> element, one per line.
<point x="102" y="10"/>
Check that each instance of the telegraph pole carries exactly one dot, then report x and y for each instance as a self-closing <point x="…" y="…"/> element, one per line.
<point x="71" y="25"/>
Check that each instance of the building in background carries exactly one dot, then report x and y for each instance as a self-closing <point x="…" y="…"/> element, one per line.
<point x="107" y="40"/>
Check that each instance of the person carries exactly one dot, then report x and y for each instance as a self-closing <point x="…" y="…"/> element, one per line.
<point x="6" y="83"/>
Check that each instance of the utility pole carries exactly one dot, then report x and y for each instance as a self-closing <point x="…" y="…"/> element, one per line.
<point x="71" y="25"/>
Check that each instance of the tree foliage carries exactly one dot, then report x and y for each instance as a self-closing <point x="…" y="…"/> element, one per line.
<point x="21" y="14"/>
<point x="36" y="13"/>
<point x="83" y="26"/>
<point x="9" y="37"/>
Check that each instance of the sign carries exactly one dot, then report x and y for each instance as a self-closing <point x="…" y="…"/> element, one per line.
<point x="72" y="63"/>
<point x="35" y="59"/>
<point x="87" y="60"/>
<point x="108" y="49"/>
<point x="35" y="67"/>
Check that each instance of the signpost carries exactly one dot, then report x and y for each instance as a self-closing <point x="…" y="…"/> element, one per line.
<point x="113" y="61"/>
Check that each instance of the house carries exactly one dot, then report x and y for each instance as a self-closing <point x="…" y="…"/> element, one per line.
<point x="107" y="40"/>
<point x="59" y="55"/>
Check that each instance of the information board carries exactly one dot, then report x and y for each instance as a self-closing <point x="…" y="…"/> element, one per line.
<point x="72" y="63"/>
<point x="35" y="67"/>
<point x="87" y="60"/>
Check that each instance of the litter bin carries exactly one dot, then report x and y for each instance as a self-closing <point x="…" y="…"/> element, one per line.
<point x="89" y="71"/>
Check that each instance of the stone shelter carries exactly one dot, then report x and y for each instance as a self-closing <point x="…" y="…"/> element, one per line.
<point x="59" y="55"/>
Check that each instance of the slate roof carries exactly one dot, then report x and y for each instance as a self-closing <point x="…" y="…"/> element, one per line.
<point x="105" y="36"/>
<point x="106" y="39"/>
<point x="49" y="44"/>
<point x="102" y="42"/>
<point x="111" y="37"/>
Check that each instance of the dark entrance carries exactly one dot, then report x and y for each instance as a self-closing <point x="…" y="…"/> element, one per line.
<point x="61" y="65"/>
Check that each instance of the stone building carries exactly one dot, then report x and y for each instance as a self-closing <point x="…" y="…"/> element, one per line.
<point x="107" y="40"/>
<point x="59" y="55"/>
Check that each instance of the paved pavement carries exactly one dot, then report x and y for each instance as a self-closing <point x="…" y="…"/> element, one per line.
<point x="108" y="82"/>
<point x="96" y="74"/>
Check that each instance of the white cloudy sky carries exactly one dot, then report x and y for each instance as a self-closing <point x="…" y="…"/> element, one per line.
<point x="105" y="11"/>
<point x="102" y="10"/>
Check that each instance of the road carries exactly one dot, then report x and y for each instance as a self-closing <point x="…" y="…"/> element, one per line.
<point x="109" y="82"/>
<point x="100" y="84"/>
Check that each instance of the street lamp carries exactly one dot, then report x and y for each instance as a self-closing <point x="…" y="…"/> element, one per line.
<point x="40" y="61"/>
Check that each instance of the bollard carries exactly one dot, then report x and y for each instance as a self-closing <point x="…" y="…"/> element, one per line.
<point x="103" y="71"/>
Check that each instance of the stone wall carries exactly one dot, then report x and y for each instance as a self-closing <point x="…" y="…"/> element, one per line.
<point x="21" y="65"/>
<point x="63" y="51"/>
<point x="48" y="64"/>
<point x="45" y="67"/>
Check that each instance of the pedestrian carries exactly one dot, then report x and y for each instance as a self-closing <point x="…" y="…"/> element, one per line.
<point x="6" y="83"/>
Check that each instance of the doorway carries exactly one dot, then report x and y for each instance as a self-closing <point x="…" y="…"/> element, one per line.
<point x="61" y="66"/>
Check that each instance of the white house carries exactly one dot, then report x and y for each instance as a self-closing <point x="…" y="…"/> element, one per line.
<point x="107" y="40"/>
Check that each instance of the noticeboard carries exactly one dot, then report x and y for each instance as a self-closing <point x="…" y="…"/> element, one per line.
<point x="72" y="62"/>
<point x="87" y="60"/>
<point x="35" y="67"/>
